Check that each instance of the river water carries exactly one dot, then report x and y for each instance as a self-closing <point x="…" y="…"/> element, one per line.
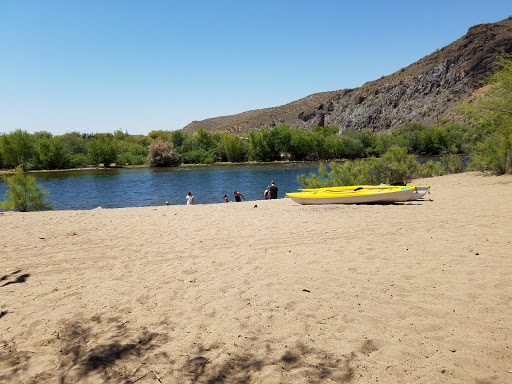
<point x="117" y="188"/>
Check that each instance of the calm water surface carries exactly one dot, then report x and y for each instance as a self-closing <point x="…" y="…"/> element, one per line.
<point x="117" y="188"/>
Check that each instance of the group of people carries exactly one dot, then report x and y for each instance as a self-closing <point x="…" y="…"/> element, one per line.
<point x="238" y="196"/>
<point x="270" y="193"/>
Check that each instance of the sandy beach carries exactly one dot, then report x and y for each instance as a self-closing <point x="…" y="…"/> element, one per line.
<point x="263" y="291"/>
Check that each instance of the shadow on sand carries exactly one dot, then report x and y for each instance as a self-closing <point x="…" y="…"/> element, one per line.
<point x="105" y="349"/>
<point x="17" y="279"/>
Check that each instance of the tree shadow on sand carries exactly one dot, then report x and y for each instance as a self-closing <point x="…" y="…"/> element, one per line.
<point x="305" y="362"/>
<point x="106" y="349"/>
<point x="12" y="280"/>
<point x="83" y="354"/>
<point x="12" y="362"/>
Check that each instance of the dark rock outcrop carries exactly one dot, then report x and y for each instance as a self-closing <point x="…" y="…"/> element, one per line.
<point x="424" y="92"/>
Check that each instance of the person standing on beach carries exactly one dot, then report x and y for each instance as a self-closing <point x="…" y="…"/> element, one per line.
<point x="272" y="190"/>
<point x="237" y="196"/>
<point x="225" y="198"/>
<point x="190" y="198"/>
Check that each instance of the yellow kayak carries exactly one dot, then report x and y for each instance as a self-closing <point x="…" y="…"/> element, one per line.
<point x="357" y="195"/>
<point x="420" y="190"/>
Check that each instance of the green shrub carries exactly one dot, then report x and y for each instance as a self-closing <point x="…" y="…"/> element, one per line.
<point x="127" y="158"/>
<point x="78" y="160"/>
<point x="51" y="154"/>
<point x="430" y="169"/>
<point x="452" y="163"/>
<point x="197" y="156"/>
<point x="17" y="148"/>
<point x="352" y="148"/>
<point x="234" y="149"/>
<point x="23" y="194"/>
<point x="494" y="155"/>
<point x="399" y="167"/>
<point x="396" y="166"/>
<point x="102" y="149"/>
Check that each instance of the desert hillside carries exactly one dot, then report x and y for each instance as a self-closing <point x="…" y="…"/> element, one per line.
<point x="425" y="91"/>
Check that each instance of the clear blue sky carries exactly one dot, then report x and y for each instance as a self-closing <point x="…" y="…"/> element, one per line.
<point x="102" y="65"/>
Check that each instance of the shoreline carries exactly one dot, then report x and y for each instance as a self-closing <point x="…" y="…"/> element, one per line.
<point x="266" y="291"/>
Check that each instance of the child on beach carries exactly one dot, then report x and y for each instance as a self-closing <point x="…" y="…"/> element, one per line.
<point x="225" y="198"/>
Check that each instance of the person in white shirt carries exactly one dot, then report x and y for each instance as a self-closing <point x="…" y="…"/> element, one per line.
<point x="190" y="198"/>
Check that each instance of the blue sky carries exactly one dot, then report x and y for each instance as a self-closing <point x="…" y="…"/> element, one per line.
<point x="103" y="65"/>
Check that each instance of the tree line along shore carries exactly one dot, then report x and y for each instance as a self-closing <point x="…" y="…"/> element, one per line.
<point x="483" y="134"/>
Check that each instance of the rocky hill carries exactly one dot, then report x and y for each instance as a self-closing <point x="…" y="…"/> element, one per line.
<point x="424" y="92"/>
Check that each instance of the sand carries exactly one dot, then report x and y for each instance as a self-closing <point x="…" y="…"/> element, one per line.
<point x="263" y="291"/>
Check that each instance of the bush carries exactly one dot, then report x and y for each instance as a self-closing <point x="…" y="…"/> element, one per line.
<point x="197" y="156"/>
<point x="51" y="154"/>
<point x="78" y="160"/>
<point x="352" y="148"/>
<point x="127" y="158"/>
<point x="234" y="149"/>
<point x="494" y="155"/>
<point x="430" y="169"/>
<point x="17" y="148"/>
<point x="102" y="149"/>
<point x="452" y="163"/>
<point x="23" y="194"/>
<point x="399" y="167"/>
<point x="161" y="155"/>
<point x="396" y="166"/>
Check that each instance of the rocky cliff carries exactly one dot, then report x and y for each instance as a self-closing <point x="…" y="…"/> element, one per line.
<point x="424" y="92"/>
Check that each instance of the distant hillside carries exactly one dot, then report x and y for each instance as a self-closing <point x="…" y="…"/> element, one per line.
<point x="423" y="92"/>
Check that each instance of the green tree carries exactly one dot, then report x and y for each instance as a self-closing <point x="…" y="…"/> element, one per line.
<point x="492" y="112"/>
<point x="494" y="154"/>
<point x="131" y="149"/>
<point x="333" y="148"/>
<point x="495" y="103"/>
<point x="51" y="154"/>
<point x="17" y="148"/>
<point x="260" y="146"/>
<point x="102" y="149"/>
<point x="205" y="140"/>
<point x="23" y="194"/>
<point x="352" y="148"/>
<point x="301" y="145"/>
<point x="234" y="148"/>
<point x="75" y="143"/>
<point x="326" y="131"/>
<point x="160" y="135"/>
<point x="197" y="156"/>
<point x="280" y="138"/>
<point x="178" y="138"/>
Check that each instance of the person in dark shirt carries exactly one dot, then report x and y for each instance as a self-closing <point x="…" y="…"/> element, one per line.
<point x="273" y="190"/>
<point x="238" y="195"/>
